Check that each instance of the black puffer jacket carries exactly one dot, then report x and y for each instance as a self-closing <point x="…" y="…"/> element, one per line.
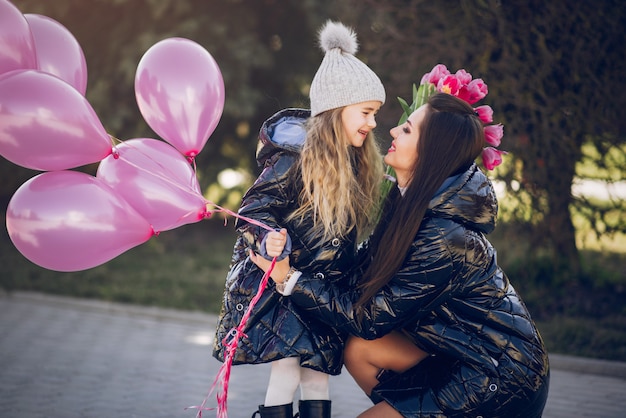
<point x="276" y="329"/>
<point x="454" y="302"/>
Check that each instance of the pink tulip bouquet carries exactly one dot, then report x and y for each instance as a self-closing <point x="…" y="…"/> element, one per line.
<point x="462" y="85"/>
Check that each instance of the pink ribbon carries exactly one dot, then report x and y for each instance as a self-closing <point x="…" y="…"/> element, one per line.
<point x="231" y="341"/>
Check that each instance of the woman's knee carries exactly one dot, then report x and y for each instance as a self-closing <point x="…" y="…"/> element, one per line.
<point x="355" y="351"/>
<point x="392" y="351"/>
<point x="380" y="410"/>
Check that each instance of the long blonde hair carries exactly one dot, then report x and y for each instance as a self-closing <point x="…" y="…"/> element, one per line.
<point x="341" y="183"/>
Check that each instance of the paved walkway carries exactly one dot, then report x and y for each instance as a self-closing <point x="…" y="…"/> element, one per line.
<point x="70" y="358"/>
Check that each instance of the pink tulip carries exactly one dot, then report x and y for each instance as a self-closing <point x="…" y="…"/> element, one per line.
<point x="476" y="90"/>
<point x="463" y="94"/>
<point x="438" y="72"/>
<point x="463" y="76"/>
<point x="485" y="113"/>
<point x="449" y="84"/>
<point x="493" y="134"/>
<point x="492" y="157"/>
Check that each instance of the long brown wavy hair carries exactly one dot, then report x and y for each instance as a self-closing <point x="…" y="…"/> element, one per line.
<point x="451" y="138"/>
<point x="341" y="183"/>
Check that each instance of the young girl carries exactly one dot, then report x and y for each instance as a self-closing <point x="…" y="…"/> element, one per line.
<point x="320" y="182"/>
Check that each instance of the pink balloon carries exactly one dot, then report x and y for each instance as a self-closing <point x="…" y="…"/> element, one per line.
<point x="58" y="51"/>
<point x="156" y="180"/>
<point x="180" y="93"/>
<point x="47" y="124"/>
<point x="17" y="46"/>
<point x="71" y="221"/>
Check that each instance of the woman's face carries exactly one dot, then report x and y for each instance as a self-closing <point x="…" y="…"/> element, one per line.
<point x="402" y="153"/>
<point x="358" y="120"/>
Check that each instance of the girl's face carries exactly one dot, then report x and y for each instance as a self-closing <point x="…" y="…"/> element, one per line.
<point x="358" y="120"/>
<point x="402" y="153"/>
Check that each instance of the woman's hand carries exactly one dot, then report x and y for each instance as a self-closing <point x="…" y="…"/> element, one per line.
<point x="280" y="269"/>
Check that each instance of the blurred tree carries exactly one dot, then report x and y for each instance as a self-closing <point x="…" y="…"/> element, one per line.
<point x="554" y="71"/>
<point x="564" y="98"/>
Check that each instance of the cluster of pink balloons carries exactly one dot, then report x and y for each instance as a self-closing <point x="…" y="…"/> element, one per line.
<point x="67" y="220"/>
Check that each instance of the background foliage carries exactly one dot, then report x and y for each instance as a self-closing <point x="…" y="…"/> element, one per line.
<point x="555" y="75"/>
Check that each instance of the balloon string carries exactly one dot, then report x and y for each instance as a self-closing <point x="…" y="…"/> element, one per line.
<point x="118" y="155"/>
<point x="220" y="209"/>
<point x="230" y="342"/>
<point x="115" y="140"/>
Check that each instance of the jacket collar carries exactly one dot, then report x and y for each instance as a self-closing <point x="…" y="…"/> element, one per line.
<point x="282" y="131"/>
<point x="468" y="198"/>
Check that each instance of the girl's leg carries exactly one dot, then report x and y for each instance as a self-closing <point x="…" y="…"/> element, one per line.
<point x="364" y="359"/>
<point x="314" y="394"/>
<point x="313" y="385"/>
<point x="284" y="381"/>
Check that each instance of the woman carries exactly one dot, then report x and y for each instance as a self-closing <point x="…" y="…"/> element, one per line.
<point x="438" y="329"/>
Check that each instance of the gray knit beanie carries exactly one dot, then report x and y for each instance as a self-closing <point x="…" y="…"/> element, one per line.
<point x="342" y="79"/>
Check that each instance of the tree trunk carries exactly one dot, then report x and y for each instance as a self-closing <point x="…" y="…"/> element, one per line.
<point x="554" y="177"/>
<point x="561" y="240"/>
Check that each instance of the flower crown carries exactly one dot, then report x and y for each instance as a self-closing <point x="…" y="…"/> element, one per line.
<point x="461" y="85"/>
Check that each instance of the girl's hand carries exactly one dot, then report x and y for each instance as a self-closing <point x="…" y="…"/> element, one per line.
<point x="275" y="242"/>
<point x="281" y="268"/>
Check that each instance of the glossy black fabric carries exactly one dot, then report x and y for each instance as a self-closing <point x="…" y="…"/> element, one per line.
<point x="454" y="302"/>
<point x="276" y="328"/>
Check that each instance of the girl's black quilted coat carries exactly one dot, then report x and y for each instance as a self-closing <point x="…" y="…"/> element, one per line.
<point x="276" y="329"/>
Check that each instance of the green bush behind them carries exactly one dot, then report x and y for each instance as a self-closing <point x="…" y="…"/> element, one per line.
<point x="183" y="268"/>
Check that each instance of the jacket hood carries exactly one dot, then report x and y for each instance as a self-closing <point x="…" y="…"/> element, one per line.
<point x="283" y="131"/>
<point x="469" y="199"/>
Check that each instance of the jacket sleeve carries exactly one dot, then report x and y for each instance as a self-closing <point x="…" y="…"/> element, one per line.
<point x="267" y="201"/>
<point x="421" y="284"/>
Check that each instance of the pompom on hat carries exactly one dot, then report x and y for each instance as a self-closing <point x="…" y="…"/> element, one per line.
<point x="342" y="79"/>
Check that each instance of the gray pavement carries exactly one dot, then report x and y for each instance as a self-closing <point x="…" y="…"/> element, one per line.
<point x="69" y="358"/>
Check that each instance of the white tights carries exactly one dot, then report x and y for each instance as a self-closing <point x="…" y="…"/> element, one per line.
<point x="285" y="376"/>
